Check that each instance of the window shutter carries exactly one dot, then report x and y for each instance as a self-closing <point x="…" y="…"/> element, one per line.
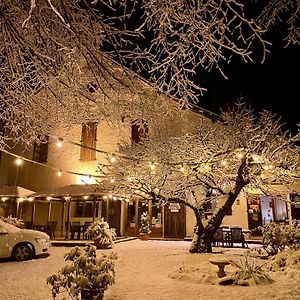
<point x="40" y="150"/>
<point x="88" y="139"/>
<point x="139" y="132"/>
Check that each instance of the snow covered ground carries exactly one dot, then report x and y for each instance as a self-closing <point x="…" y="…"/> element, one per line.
<point x="145" y="270"/>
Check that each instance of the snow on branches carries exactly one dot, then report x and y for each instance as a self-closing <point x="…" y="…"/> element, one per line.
<point x="242" y="150"/>
<point x="56" y="56"/>
<point x="216" y="163"/>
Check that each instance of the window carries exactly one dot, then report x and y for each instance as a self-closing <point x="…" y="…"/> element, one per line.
<point x="139" y="131"/>
<point x="85" y="209"/>
<point x="40" y="150"/>
<point x="210" y="207"/>
<point x="88" y="140"/>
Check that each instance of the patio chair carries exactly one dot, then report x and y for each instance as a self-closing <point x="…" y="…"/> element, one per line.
<point x="76" y="228"/>
<point x="237" y="236"/>
<point x="85" y="227"/>
<point x="51" y="227"/>
<point x="218" y="238"/>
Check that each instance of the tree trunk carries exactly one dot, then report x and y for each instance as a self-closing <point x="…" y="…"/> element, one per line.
<point x="203" y="236"/>
<point x="202" y="239"/>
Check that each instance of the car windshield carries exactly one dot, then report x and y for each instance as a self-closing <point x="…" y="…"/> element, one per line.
<point x="5" y="227"/>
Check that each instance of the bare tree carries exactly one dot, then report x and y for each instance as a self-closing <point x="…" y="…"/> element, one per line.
<point x="215" y="164"/>
<point x="56" y="56"/>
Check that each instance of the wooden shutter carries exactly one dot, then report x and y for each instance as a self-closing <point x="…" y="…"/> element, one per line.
<point x="40" y="150"/>
<point x="139" y="132"/>
<point x="88" y="140"/>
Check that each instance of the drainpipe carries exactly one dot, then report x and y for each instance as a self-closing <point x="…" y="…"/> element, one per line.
<point x="289" y="209"/>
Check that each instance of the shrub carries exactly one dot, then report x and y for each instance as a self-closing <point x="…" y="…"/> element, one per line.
<point x="249" y="268"/>
<point x="84" y="273"/>
<point x="100" y="229"/>
<point x="277" y="237"/>
<point x="289" y="259"/>
<point x="13" y="221"/>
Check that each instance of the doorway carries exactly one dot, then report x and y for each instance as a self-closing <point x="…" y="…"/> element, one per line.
<point x="174" y="220"/>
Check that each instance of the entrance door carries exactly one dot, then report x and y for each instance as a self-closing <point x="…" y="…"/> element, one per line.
<point x="174" y="220"/>
<point x="111" y="211"/>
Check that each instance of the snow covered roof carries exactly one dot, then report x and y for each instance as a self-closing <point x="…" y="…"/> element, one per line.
<point x="15" y="191"/>
<point x="71" y="190"/>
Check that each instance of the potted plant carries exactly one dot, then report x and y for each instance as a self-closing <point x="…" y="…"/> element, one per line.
<point x="86" y="277"/>
<point x="13" y="221"/>
<point x="145" y="227"/>
<point x="102" y="234"/>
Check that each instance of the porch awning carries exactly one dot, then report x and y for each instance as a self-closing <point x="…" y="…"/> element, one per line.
<point x="73" y="190"/>
<point x="15" y="191"/>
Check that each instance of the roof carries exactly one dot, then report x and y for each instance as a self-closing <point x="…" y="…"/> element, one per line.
<point x="15" y="191"/>
<point x="71" y="190"/>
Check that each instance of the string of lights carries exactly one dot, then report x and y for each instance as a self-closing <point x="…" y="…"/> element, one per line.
<point x="19" y="161"/>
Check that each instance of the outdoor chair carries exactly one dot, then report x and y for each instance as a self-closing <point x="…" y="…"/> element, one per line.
<point x="85" y="227"/>
<point x="76" y="228"/>
<point x="218" y="238"/>
<point x="237" y="236"/>
<point x="51" y="227"/>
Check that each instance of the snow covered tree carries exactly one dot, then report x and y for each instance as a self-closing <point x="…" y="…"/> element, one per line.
<point x="145" y="226"/>
<point x="216" y="163"/>
<point x="56" y="56"/>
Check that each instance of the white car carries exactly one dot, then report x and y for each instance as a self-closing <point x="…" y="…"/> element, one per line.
<point x="21" y="244"/>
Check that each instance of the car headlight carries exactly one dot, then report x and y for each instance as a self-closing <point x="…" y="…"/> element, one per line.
<point x="41" y="240"/>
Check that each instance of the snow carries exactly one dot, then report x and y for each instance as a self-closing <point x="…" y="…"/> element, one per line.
<point x="146" y="270"/>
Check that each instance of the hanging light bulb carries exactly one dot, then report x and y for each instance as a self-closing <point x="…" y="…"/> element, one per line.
<point x="113" y="159"/>
<point x="224" y="162"/>
<point x="19" y="161"/>
<point x="206" y="167"/>
<point x="240" y="155"/>
<point x="59" y="143"/>
<point x="152" y="166"/>
<point x="112" y="180"/>
<point x="59" y="173"/>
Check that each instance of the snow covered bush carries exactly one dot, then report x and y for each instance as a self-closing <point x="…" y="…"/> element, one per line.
<point x="145" y="226"/>
<point x="277" y="237"/>
<point x="100" y="230"/>
<point x="12" y="221"/>
<point x="282" y="261"/>
<point x="85" y="274"/>
<point x="250" y="269"/>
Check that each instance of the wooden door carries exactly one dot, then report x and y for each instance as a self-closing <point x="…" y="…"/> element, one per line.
<point x="174" y="220"/>
<point x="111" y="212"/>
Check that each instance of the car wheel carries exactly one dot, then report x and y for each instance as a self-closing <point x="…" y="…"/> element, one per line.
<point x="22" y="252"/>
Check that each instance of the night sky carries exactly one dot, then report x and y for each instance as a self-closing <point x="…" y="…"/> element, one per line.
<point x="273" y="85"/>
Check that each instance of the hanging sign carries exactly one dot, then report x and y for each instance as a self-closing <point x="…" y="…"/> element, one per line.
<point x="174" y="207"/>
